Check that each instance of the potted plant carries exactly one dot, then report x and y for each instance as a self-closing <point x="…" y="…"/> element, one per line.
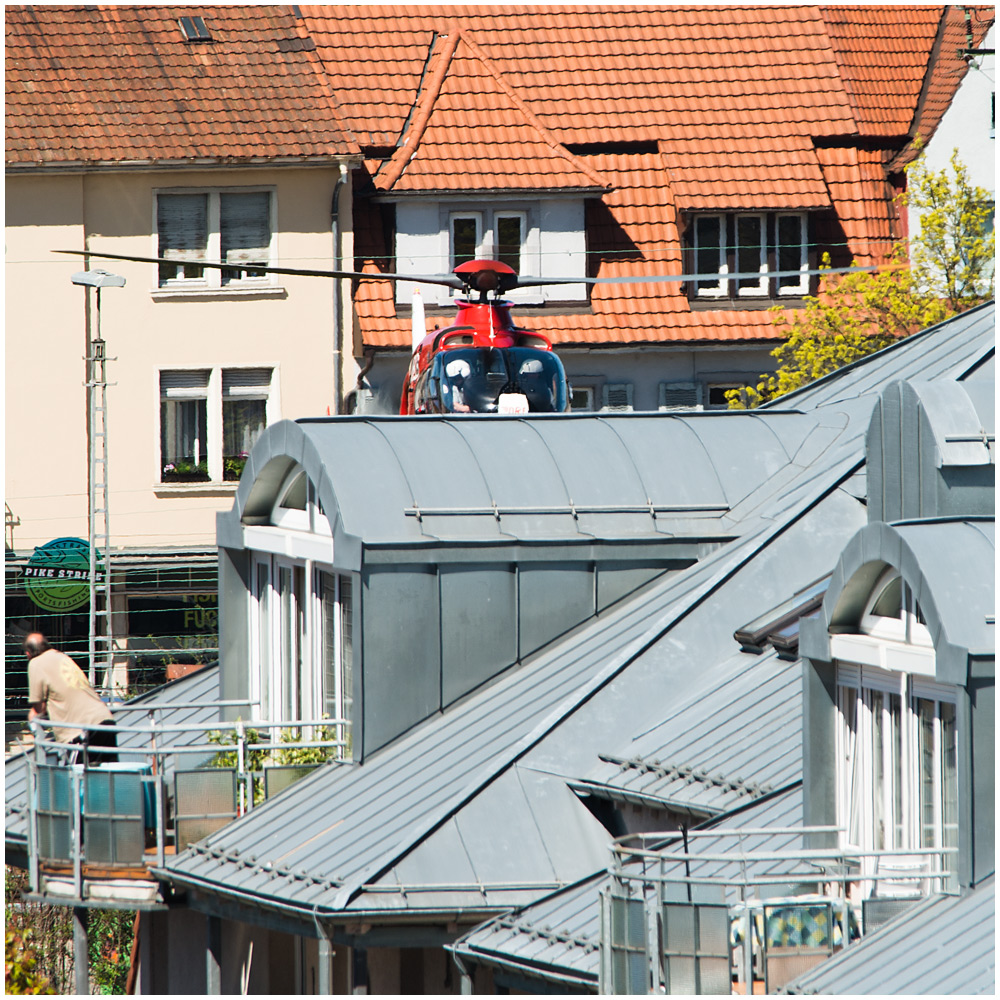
<point x="185" y="470"/>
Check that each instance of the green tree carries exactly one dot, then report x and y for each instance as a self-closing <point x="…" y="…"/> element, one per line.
<point x="950" y="269"/>
<point x="21" y="975"/>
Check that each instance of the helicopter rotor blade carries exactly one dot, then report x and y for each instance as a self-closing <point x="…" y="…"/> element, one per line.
<point x="652" y="279"/>
<point x="449" y="281"/>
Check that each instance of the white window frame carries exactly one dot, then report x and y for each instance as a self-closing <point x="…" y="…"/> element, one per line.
<point x="801" y="287"/>
<point x="702" y="289"/>
<point x="760" y="288"/>
<point x="766" y="287"/>
<point x="494" y="236"/>
<point x="477" y="217"/>
<point x="212" y="278"/>
<point x="590" y="392"/>
<point x="861" y="689"/>
<point x="214" y="426"/>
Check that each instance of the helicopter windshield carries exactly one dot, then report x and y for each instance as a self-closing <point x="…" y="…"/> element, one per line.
<point x="472" y="380"/>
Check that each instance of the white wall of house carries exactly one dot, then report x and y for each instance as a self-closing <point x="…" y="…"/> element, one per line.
<point x="287" y="326"/>
<point x="554" y="243"/>
<point x="968" y="126"/>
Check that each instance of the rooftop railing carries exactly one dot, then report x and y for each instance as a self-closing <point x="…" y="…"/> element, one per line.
<point x="737" y="911"/>
<point x="99" y="818"/>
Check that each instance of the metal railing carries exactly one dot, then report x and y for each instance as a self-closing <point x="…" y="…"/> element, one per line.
<point x="683" y="914"/>
<point x="92" y="821"/>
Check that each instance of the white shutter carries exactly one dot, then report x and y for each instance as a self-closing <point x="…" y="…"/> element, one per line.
<point x="191" y="384"/>
<point x="680" y="395"/>
<point x="182" y="226"/>
<point x="243" y="382"/>
<point x="618" y="397"/>
<point x="245" y="227"/>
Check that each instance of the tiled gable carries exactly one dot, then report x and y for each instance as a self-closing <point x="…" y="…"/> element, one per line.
<point x="467" y="114"/>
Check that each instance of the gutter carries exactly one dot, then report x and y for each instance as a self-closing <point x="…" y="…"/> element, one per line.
<point x="338" y="308"/>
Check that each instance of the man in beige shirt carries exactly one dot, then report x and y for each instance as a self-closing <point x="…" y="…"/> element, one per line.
<point x="59" y="691"/>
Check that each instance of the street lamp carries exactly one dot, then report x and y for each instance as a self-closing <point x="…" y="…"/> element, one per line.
<point x="97" y="427"/>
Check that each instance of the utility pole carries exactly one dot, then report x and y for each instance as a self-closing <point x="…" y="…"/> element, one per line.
<point x="98" y="526"/>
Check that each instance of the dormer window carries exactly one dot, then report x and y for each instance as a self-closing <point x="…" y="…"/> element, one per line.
<point x="749" y="255"/>
<point x="897" y="741"/>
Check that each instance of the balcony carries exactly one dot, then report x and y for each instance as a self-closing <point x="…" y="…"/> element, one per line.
<point x="747" y="911"/>
<point x="97" y="830"/>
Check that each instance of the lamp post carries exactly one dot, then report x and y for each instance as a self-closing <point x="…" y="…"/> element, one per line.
<point x="97" y="453"/>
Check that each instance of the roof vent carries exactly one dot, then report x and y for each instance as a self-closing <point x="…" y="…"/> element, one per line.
<point x="194" y="30"/>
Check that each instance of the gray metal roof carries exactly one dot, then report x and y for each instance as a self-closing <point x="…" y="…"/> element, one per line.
<point x="499" y="479"/>
<point x="949" y="563"/>
<point x="558" y="938"/>
<point x="186" y="701"/>
<point x="944" y="945"/>
<point x="736" y="741"/>
<point x="478" y="776"/>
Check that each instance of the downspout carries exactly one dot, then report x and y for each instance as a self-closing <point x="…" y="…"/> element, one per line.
<point x="338" y="312"/>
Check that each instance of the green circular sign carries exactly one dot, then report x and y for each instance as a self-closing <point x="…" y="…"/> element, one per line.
<point x="57" y="576"/>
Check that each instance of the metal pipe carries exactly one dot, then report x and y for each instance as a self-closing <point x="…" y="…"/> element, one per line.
<point x="338" y="310"/>
<point x="81" y="957"/>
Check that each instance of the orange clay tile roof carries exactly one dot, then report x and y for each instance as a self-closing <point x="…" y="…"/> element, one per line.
<point x="508" y="149"/>
<point x="119" y="84"/>
<point x="649" y="111"/>
<point x="742" y="108"/>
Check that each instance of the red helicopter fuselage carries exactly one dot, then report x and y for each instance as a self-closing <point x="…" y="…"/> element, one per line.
<point x="483" y="363"/>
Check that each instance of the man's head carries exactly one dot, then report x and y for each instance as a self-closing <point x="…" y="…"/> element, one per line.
<point x="34" y="644"/>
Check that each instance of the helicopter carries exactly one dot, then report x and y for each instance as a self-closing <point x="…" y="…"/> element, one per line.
<point x="482" y="363"/>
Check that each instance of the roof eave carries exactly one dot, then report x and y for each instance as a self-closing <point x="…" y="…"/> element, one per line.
<point x="196" y="163"/>
<point x="388" y="197"/>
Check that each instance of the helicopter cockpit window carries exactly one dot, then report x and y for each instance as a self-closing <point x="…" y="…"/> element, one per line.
<point x="473" y="380"/>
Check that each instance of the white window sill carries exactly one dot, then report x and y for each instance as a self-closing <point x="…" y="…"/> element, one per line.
<point x="186" y="489"/>
<point x="224" y="291"/>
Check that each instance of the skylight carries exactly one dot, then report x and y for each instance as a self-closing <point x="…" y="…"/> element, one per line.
<point x="194" y="30"/>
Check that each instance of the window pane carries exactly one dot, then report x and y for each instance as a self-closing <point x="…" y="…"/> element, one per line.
<point x="750" y="252"/>
<point x="182" y="228"/>
<point x="890" y="601"/>
<point x="183" y="438"/>
<point x="328" y="585"/>
<point x="791" y="250"/>
<point x="878" y="759"/>
<point x="245" y="230"/>
<point x="464" y="239"/>
<point x="243" y="421"/>
<point x="346" y="645"/>
<point x="925" y="730"/>
<point x="509" y="240"/>
<point x="709" y="251"/>
<point x="896" y="768"/>
<point x="264" y="624"/>
<point x="949" y="786"/>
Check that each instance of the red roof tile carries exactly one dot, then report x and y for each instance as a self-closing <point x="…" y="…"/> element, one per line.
<point x="467" y="114"/>
<point x="118" y="84"/>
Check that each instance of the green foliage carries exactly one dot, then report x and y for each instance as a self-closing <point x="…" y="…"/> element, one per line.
<point x="109" y="939"/>
<point x="41" y="949"/>
<point x="287" y="752"/>
<point x="953" y="251"/>
<point x="21" y="975"/>
<point x="854" y="315"/>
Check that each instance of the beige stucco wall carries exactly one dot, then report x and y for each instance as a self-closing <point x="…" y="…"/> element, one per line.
<point x="47" y="335"/>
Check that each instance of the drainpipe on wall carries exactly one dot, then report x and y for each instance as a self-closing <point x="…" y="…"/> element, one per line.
<point x="338" y="312"/>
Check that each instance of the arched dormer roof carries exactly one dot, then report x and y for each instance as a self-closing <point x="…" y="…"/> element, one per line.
<point x="949" y="564"/>
<point x="402" y="481"/>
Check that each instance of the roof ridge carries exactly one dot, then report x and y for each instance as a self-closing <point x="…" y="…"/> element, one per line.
<point x="533" y="119"/>
<point x="411" y="140"/>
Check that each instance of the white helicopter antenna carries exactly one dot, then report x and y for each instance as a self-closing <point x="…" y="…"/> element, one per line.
<point x="418" y="324"/>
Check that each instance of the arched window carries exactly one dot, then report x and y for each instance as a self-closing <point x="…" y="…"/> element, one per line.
<point x="897" y="738"/>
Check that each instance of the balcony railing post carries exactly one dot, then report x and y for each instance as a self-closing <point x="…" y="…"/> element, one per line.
<point x="244" y="795"/>
<point x="76" y="846"/>
<point x="32" y="817"/>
